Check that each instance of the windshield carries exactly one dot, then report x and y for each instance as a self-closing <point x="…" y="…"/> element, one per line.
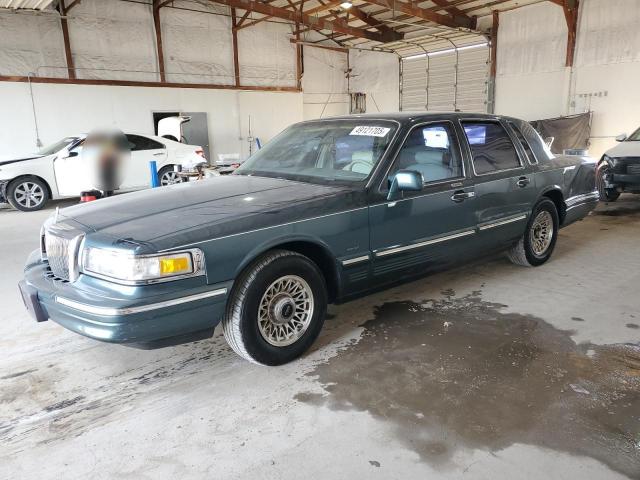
<point x="56" y="147"/>
<point x="325" y="151"/>
<point x="634" y="137"/>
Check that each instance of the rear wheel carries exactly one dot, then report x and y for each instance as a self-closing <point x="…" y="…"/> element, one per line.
<point x="606" y="194"/>
<point x="27" y="194"/>
<point x="168" y="176"/>
<point x="276" y="309"/>
<point x="536" y="245"/>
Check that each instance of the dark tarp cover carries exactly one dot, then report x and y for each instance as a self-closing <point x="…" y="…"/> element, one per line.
<point x="570" y="132"/>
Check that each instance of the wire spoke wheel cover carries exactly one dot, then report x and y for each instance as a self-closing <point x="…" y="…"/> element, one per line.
<point x="28" y="194"/>
<point x="285" y="310"/>
<point x="541" y="233"/>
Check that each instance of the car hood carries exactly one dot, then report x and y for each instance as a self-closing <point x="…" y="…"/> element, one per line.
<point x="191" y="212"/>
<point x="624" y="149"/>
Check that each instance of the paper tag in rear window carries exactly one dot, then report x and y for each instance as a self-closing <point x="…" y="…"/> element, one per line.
<point x="370" y="131"/>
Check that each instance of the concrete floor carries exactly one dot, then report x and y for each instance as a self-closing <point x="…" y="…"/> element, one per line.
<point x="489" y="371"/>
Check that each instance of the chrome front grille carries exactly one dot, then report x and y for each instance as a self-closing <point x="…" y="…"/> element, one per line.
<point x="61" y="246"/>
<point x="633" y="169"/>
<point x="57" y="249"/>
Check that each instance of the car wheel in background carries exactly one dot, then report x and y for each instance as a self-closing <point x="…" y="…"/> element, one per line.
<point x="168" y="176"/>
<point x="276" y="309"/>
<point x="536" y="245"/>
<point x="27" y="194"/>
<point x="606" y="194"/>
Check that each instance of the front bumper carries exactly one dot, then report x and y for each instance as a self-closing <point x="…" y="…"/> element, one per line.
<point x="615" y="179"/>
<point x="140" y="320"/>
<point x="3" y="190"/>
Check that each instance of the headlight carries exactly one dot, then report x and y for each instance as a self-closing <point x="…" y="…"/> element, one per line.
<point x="124" y="267"/>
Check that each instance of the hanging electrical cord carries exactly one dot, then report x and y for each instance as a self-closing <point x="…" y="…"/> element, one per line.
<point x="33" y="108"/>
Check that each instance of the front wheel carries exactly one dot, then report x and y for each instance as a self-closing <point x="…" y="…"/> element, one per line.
<point x="606" y="194"/>
<point x="27" y="194"/>
<point x="277" y="308"/>
<point x="536" y="245"/>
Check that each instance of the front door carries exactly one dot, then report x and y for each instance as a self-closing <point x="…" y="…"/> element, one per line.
<point x="430" y="227"/>
<point x="73" y="173"/>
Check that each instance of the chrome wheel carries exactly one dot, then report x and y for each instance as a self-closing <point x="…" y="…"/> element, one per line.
<point x="28" y="195"/>
<point x="541" y="233"/>
<point x="285" y="311"/>
<point x="169" y="177"/>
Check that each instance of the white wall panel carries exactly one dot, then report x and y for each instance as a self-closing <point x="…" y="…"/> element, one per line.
<point x="197" y="46"/>
<point x="266" y="55"/>
<point x="324" y="83"/>
<point x="532" y="39"/>
<point x="28" y="42"/>
<point x="113" y="40"/>
<point x="377" y="75"/>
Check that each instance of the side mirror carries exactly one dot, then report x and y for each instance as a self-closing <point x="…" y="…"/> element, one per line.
<point x="622" y="137"/>
<point x="70" y="154"/>
<point x="404" y="181"/>
<point x="549" y="141"/>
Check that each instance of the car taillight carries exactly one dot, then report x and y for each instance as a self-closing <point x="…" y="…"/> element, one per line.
<point x="200" y="152"/>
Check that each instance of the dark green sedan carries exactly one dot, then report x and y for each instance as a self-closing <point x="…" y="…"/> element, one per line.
<point x="327" y="210"/>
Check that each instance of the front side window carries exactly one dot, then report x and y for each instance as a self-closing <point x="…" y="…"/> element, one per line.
<point x="491" y="147"/>
<point x="432" y="151"/>
<point x="323" y="151"/>
<point x="56" y="147"/>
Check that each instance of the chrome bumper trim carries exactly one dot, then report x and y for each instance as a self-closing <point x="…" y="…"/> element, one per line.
<point x="393" y="250"/>
<point x="114" y="312"/>
<point x="502" y="222"/>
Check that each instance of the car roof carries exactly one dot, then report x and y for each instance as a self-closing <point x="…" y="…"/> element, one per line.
<point x="411" y="117"/>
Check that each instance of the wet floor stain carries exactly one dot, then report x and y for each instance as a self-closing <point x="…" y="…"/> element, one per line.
<point x="577" y="319"/>
<point x="634" y="326"/>
<point x="459" y="372"/>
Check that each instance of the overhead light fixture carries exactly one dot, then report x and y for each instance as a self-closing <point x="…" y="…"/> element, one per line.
<point x="346" y="5"/>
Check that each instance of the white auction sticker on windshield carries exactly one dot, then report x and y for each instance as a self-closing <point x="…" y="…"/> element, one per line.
<point x="370" y="131"/>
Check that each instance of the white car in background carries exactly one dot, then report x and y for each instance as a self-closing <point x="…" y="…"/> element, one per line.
<point x="56" y="171"/>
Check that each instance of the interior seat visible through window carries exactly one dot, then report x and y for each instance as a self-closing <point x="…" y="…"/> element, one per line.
<point x="428" y="150"/>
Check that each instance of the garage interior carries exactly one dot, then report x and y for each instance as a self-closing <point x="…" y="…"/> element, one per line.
<point x="484" y="371"/>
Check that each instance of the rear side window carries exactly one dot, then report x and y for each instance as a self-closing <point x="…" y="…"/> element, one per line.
<point x="491" y="147"/>
<point x="525" y="145"/>
<point x="540" y="149"/>
<point x="138" y="142"/>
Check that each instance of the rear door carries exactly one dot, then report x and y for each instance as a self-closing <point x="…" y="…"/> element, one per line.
<point x="504" y="182"/>
<point x="432" y="226"/>
<point x="136" y="169"/>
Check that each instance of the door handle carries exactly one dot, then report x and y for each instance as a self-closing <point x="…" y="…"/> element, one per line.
<point x="460" y="196"/>
<point x="158" y="154"/>
<point x="523" y="182"/>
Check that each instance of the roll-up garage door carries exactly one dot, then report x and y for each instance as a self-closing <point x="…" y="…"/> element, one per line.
<point x="446" y="82"/>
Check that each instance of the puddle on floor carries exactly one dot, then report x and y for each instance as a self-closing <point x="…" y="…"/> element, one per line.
<point x="459" y="372"/>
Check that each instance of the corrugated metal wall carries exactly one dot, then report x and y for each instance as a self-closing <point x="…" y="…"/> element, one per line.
<point x="446" y="82"/>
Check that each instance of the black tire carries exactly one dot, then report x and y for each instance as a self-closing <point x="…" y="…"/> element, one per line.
<point x="19" y="199"/>
<point x="240" y="325"/>
<point x="523" y="252"/>
<point x="168" y="170"/>
<point x="606" y="194"/>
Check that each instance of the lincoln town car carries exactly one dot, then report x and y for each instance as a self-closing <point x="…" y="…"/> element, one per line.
<point x="326" y="211"/>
